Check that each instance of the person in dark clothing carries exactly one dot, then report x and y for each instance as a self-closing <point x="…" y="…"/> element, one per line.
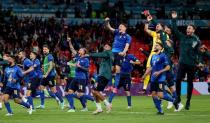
<point x="189" y="50"/>
<point x="204" y="53"/>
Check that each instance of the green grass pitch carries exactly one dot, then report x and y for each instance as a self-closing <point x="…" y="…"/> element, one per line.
<point x="143" y="111"/>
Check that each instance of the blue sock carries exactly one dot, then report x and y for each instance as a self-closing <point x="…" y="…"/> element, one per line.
<point x="83" y="101"/>
<point x="117" y="80"/>
<point x="109" y="83"/>
<point x="42" y="97"/>
<point x="70" y="99"/>
<point x="111" y="97"/>
<point x="160" y="101"/>
<point x="129" y="100"/>
<point x="157" y="103"/>
<point x="167" y="97"/>
<point x="7" y="105"/>
<point x="59" y="97"/>
<point x="174" y="95"/>
<point x="88" y="97"/>
<point x="38" y="92"/>
<point x="30" y="101"/>
<point x="52" y="94"/>
<point x="24" y="104"/>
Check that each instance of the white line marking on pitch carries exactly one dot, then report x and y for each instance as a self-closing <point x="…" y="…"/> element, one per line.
<point x="151" y="113"/>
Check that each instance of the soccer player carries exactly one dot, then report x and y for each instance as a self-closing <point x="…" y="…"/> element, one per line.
<point x="125" y="77"/>
<point x="37" y="69"/>
<point x="189" y="50"/>
<point x="3" y="64"/>
<point x="48" y="78"/>
<point x="165" y="36"/>
<point x="12" y="79"/>
<point x="156" y="38"/>
<point x="72" y="65"/>
<point x="169" y="51"/>
<point x="79" y="82"/>
<point x="120" y="46"/>
<point x="105" y="74"/>
<point x="30" y="79"/>
<point x="159" y="66"/>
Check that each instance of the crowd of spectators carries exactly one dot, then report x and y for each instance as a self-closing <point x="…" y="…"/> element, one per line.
<point x="31" y="33"/>
<point x="187" y="9"/>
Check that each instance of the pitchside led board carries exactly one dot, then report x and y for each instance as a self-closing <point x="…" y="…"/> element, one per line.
<point x="200" y="88"/>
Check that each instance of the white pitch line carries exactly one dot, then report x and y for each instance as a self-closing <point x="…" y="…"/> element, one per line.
<point x="145" y="113"/>
<point x="170" y="114"/>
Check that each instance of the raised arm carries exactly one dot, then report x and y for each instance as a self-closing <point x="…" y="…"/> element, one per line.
<point x="152" y="20"/>
<point x="107" y="24"/>
<point x="147" y="30"/>
<point x="71" y="46"/>
<point x="177" y="33"/>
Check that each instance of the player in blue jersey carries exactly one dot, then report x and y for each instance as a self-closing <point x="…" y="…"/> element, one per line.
<point x="12" y="79"/>
<point x="48" y="78"/>
<point x="38" y="70"/>
<point x="3" y="65"/>
<point x="78" y="84"/>
<point x="29" y="78"/>
<point x="120" y="46"/>
<point x="159" y="66"/>
<point x="125" y="77"/>
<point x="165" y="37"/>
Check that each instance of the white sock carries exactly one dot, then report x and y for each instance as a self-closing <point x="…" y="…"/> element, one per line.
<point x="106" y="102"/>
<point x="24" y="91"/>
<point x="0" y="104"/>
<point x="24" y="99"/>
<point x="98" y="105"/>
<point x="62" y="90"/>
<point x="87" y="91"/>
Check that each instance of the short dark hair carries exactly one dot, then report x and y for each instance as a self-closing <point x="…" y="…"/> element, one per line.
<point x="14" y="57"/>
<point x="159" y="44"/>
<point x="124" y="24"/>
<point x="35" y="53"/>
<point x="108" y="44"/>
<point x="192" y="25"/>
<point x="167" y="25"/>
<point x="85" y="50"/>
<point x="161" y="24"/>
<point x="23" y="52"/>
<point x="45" y="45"/>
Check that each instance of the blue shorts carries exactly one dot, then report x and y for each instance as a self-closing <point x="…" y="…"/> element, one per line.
<point x="49" y="81"/>
<point x="68" y="82"/>
<point x="169" y="79"/>
<point x="156" y="86"/>
<point x="118" y="59"/>
<point x="125" y="82"/>
<point x="78" y="85"/>
<point x="33" y="84"/>
<point x="15" y="93"/>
